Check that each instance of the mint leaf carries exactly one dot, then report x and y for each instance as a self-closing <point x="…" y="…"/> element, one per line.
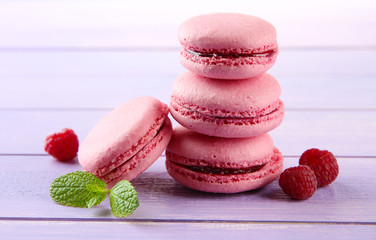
<point x="95" y="200"/>
<point x="78" y="189"/>
<point x="123" y="199"/>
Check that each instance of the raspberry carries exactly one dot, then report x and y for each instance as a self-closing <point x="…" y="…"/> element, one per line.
<point x="298" y="182"/>
<point x="63" y="145"/>
<point x="323" y="163"/>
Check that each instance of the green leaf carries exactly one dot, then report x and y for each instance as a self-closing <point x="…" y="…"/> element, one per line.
<point x="95" y="200"/>
<point x="78" y="189"/>
<point x="123" y="199"/>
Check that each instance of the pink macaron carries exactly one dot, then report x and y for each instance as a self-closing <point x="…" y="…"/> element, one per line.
<point x="127" y="140"/>
<point x="222" y="165"/>
<point x="230" y="109"/>
<point x="228" y="45"/>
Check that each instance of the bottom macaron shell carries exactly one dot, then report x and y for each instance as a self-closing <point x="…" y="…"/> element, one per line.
<point x="227" y="183"/>
<point x="227" y="127"/>
<point x="143" y="159"/>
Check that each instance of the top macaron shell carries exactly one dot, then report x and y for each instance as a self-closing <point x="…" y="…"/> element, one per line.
<point x="227" y="32"/>
<point x="126" y="129"/>
<point x="233" y="38"/>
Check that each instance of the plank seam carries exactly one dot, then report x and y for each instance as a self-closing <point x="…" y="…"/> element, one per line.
<point x="40" y="219"/>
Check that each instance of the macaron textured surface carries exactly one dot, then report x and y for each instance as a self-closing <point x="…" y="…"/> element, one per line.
<point x="127" y="140"/>
<point x="227" y="45"/>
<point x="230" y="109"/>
<point x="222" y="165"/>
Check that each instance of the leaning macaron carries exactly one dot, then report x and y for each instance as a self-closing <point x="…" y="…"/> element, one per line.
<point x="222" y="108"/>
<point x="222" y="165"/>
<point x="127" y="140"/>
<point x="227" y="45"/>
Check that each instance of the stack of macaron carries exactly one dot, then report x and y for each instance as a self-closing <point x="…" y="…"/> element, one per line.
<point x="226" y="104"/>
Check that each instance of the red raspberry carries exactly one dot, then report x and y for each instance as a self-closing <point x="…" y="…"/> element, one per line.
<point x="298" y="182"/>
<point x="63" y="145"/>
<point x="323" y="163"/>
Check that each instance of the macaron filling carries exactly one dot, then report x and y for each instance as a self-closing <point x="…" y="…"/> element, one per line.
<point x="229" y="59"/>
<point x="129" y="163"/>
<point x="219" y="171"/>
<point x="223" y="113"/>
<point x="254" y="116"/>
<point x="223" y="178"/>
<point x="267" y="54"/>
<point x="222" y="171"/>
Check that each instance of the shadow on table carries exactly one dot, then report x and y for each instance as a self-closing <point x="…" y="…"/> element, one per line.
<point x="161" y="185"/>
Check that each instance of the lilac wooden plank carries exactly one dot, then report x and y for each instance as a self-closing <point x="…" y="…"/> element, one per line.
<point x="345" y="133"/>
<point x="149" y="63"/>
<point x="169" y="230"/>
<point x="82" y="91"/>
<point x="350" y="199"/>
<point x="298" y="92"/>
<point x="122" y="63"/>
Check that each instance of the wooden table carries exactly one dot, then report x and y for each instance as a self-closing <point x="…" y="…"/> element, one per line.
<point x="330" y="104"/>
<point x="329" y="95"/>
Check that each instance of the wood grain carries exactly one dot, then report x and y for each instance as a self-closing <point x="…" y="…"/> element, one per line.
<point x="154" y="62"/>
<point x="40" y="230"/>
<point x="105" y="92"/>
<point x="350" y="199"/>
<point x="102" y="80"/>
<point x="23" y="132"/>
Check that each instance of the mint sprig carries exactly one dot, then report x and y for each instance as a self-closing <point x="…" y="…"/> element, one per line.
<point x="83" y="189"/>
